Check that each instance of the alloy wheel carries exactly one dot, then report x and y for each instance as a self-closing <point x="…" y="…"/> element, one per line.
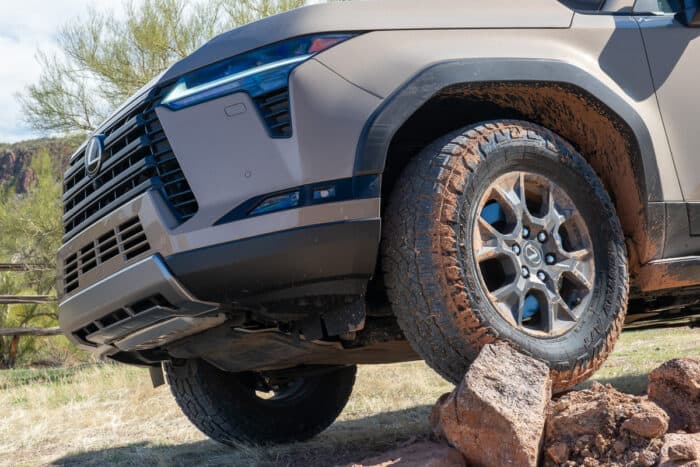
<point x="534" y="254"/>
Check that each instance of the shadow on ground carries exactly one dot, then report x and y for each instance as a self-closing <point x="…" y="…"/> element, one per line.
<point x="345" y="441"/>
<point x="630" y="384"/>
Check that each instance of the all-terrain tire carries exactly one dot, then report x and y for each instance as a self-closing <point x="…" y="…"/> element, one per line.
<point x="430" y="272"/>
<point x="224" y="406"/>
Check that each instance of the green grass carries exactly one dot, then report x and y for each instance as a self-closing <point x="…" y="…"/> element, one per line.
<point x="22" y="376"/>
<point x="639" y="352"/>
<point x="110" y="414"/>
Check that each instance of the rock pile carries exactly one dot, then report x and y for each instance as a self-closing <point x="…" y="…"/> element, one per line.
<point x="601" y="426"/>
<point x="502" y="414"/>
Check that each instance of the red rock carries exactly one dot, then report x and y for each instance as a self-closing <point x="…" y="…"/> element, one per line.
<point x="680" y="450"/>
<point x="652" y="423"/>
<point x="675" y="386"/>
<point x="558" y="453"/>
<point x="26" y="181"/>
<point x="423" y="454"/>
<point x="496" y="415"/>
<point x="646" y="458"/>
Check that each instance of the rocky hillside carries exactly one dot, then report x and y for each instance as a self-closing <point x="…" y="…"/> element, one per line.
<point x="15" y="159"/>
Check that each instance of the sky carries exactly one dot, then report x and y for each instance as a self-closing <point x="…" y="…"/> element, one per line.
<point x="24" y="27"/>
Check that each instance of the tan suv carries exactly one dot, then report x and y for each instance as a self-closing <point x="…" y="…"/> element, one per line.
<point x="380" y="181"/>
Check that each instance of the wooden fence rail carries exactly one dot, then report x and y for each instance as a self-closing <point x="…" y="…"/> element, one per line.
<point x="4" y="332"/>
<point x="22" y="267"/>
<point x="25" y="299"/>
<point x="16" y="333"/>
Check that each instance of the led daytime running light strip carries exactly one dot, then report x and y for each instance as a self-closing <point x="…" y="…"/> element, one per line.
<point x="181" y="91"/>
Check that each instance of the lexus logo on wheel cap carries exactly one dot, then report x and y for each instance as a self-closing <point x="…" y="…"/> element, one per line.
<point x="532" y="254"/>
<point x="93" y="155"/>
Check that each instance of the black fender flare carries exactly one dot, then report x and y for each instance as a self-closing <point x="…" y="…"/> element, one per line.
<point x="376" y="137"/>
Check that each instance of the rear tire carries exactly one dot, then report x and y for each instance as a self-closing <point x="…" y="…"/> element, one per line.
<point x="226" y="407"/>
<point x="438" y="286"/>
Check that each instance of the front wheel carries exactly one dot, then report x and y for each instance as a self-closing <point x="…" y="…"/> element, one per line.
<point x="259" y="408"/>
<point x="502" y="231"/>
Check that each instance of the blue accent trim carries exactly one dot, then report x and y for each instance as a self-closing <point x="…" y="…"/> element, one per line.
<point x="362" y="187"/>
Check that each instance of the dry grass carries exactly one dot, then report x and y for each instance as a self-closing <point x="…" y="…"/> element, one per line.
<point x="111" y="415"/>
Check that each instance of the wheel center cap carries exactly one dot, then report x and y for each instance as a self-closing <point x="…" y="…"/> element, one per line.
<point x="532" y="254"/>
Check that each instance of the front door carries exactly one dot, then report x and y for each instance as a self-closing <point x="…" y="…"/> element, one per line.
<point x="674" y="57"/>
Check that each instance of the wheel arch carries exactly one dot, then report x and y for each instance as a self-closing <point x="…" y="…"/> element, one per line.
<point x="603" y="127"/>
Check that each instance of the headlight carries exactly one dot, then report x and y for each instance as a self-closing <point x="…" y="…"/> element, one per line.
<point x="257" y="72"/>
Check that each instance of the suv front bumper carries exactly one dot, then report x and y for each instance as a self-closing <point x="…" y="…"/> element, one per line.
<point x="153" y="309"/>
<point x="163" y="292"/>
<point x="227" y="157"/>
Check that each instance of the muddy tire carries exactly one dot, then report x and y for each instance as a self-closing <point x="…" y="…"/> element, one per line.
<point x="450" y="301"/>
<point x="229" y="407"/>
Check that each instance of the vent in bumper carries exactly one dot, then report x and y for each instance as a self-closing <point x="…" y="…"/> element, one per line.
<point x="115" y="324"/>
<point x="137" y="157"/>
<point x="127" y="240"/>
<point x="274" y="108"/>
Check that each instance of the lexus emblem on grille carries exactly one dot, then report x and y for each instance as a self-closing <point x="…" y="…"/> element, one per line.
<point x="93" y="155"/>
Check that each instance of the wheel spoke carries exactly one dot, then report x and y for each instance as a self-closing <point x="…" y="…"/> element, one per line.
<point x="551" y="318"/>
<point x="582" y="279"/>
<point x="554" y="218"/>
<point x="555" y="308"/>
<point x="487" y="251"/>
<point x="551" y="205"/>
<point x="577" y="255"/>
<point x="489" y="230"/>
<point x="506" y="292"/>
<point x="568" y="311"/>
<point x="574" y="268"/>
<point x="511" y="198"/>
<point x="521" y="307"/>
<point x="510" y="298"/>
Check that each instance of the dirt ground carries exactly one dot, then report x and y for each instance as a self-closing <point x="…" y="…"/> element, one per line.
<point x="111" y="415"/>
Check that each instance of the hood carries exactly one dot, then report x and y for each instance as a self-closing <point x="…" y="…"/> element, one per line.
<point x="373" y="15"/>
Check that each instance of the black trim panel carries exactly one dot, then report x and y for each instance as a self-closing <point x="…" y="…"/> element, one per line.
<point x="694" y="218"/>
<point x="382" y="126"/>
<point x="346" y="189"/>
<point x="681" y="239"/>
<point x="292" y="258"/>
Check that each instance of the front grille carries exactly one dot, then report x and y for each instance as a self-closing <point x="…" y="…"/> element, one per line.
<point x="137" y="157"/>
<point x="88" y="333"/>
<point x="127" y="240"/>
<point x="274" y="108"/>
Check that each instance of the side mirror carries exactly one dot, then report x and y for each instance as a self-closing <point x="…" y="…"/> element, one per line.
<point x="690" y="15"/>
